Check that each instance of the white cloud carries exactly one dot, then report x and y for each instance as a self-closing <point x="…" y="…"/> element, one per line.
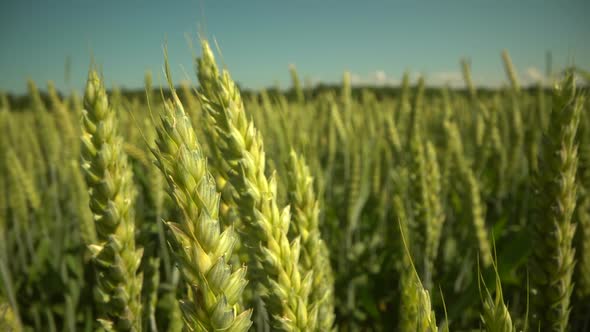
<point x="380" y="77"/>
<point x="376" y="78"/>
<point x="532" y="76"/>
<point x="356" y="79"/>
<point x="534" y="73"/>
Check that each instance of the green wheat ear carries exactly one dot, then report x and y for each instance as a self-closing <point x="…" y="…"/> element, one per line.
<point x="108" y="175"/>
<point x="434" y="194"/>
<point x="274" y="260"/>
<point x="314" y="254"/>
<point x="495" y="315"/>
<point x="553" y="230"/>
<point x="296" y="84"/>
<point x="416" y="306"/>
<point x="203" y="249"/>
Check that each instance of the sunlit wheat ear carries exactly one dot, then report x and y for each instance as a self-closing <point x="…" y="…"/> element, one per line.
<point x="203" y="249"/>
<point x="109" y="179"/>
<point x="274" y="260"/>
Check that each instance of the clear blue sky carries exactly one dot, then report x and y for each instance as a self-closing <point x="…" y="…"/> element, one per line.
<point x="375" y="40"/>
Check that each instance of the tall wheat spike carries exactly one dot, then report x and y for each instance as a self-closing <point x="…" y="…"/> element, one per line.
<point x="275" y="260"/>
<point x="202" y="248"/>
<point x="553" y="255"/>
<point x="112" y="194"/>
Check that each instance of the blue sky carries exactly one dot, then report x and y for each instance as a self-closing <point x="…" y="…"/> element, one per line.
<point x="375" y="40"/>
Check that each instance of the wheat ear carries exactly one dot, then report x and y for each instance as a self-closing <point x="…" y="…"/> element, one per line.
<point x="553" y="230"/>
<point x="112" y="196"/>
<point x="314" y="254"/>
<point x="265" y="226"/>
<point x="203" y="249"/>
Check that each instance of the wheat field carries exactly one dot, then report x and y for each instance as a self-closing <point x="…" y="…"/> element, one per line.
<point x="202" y="208"/>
